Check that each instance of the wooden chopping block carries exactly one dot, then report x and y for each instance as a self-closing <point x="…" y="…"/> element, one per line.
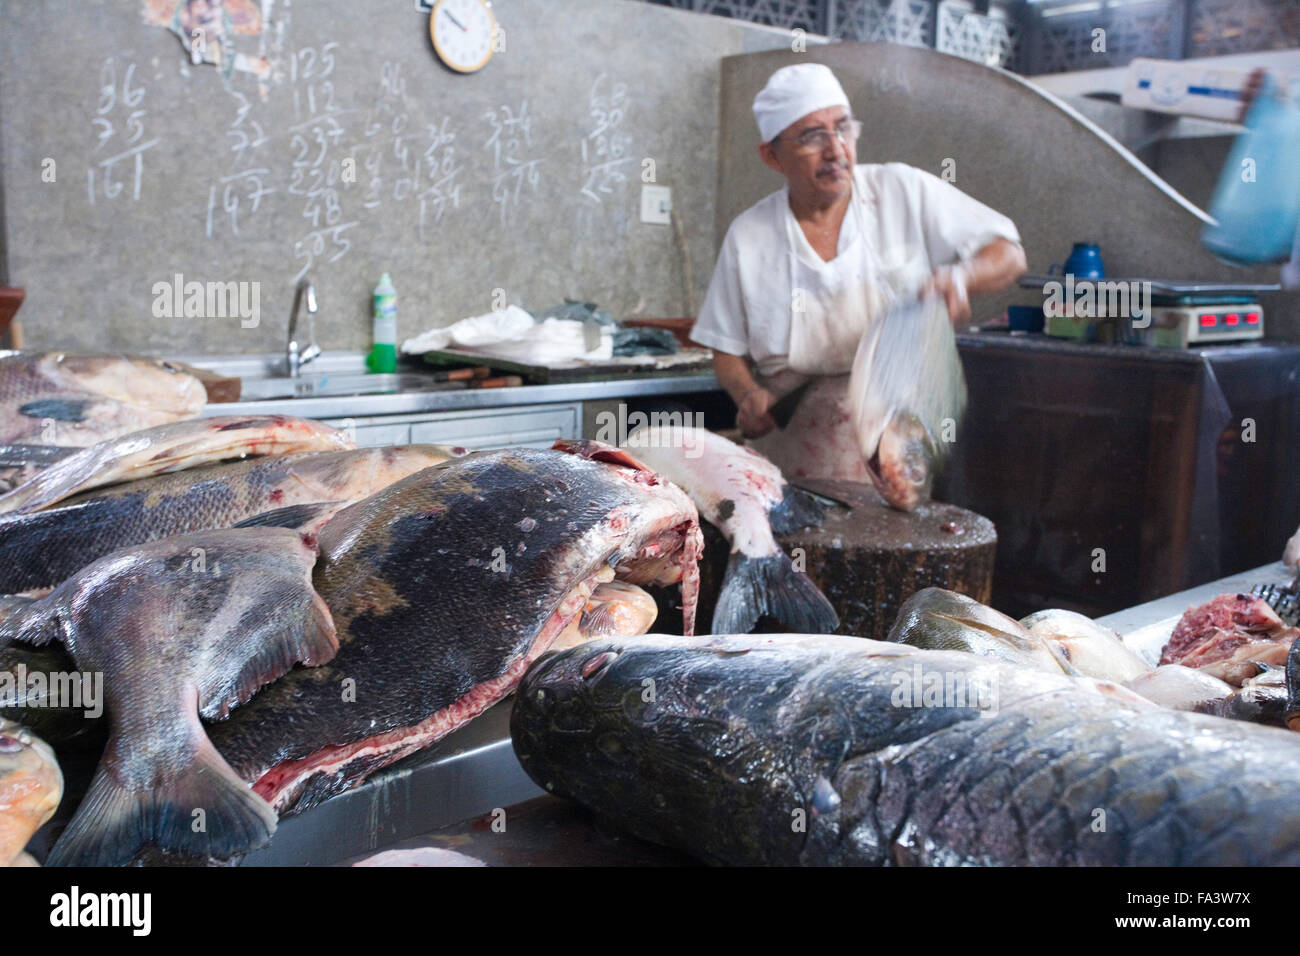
<point x="867" y="559"/>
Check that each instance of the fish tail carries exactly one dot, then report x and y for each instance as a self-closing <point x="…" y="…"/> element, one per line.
<point x="771" y="586"/>
<point x="205" y="812"/>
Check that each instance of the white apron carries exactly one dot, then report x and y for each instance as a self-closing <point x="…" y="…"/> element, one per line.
<point x="831" y="306"/>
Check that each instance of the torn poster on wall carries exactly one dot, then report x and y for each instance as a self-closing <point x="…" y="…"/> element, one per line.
<point x="213" y="30"/>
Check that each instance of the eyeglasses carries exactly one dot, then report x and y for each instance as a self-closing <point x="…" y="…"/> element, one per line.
<point x="816" y="140"/>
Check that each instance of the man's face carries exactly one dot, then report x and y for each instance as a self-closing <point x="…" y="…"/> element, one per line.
<point x="821" y="170"/>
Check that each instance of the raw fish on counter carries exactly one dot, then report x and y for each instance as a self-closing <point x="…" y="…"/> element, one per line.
<point x="182" y="628"/>
<point x="1090" y="648"/>
<point x="31" y="787"/>
<point x="940" y="620"/>
<point x="1230" y="637"/>
<point x="169" y="448"/>
<point x="825" y="750"/>
<point x="746" y="497"/>
<point x="45" y="548"/>
<point x="57" y="398"/>
<point x="444" y="587"/>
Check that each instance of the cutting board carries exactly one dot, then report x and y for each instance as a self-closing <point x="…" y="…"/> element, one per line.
<point x="632" y="366"/>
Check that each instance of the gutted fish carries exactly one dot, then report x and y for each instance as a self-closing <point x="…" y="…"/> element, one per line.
<point x="183" y="628"/>
<point x="45" y="548"/>
<point x="1093" y="650"/>
<point x="1229" y="637"/>
<point x="168" y="448"/>
<point x="746" y="497"/>
<point x="444" y="587"/>
<point x="793" y="749"/>
<point x="940" y="620"/>
<point x="615" y="608"/>
<point x="31" y="787"/>
<point x="56" y="398"/>
<point x="906" y="394"/>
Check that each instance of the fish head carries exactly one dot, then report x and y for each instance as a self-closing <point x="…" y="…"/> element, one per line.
<point x="31" y="786"/>
<point x="150" y="384"/>
<point x="902" y="468"/>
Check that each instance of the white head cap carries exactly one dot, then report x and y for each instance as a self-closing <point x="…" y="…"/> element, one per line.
<point x="792" y="93"/>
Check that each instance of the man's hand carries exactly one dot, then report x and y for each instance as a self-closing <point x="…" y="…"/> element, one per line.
<point x="753" y="418"/>
<point x="950" y="282"/>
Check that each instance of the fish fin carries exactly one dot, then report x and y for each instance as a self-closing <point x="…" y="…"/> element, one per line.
<point x="31" y="622"/>
<point x="294" y="517"/>
<point x="770" y="585"/>
<point x="599" y="451"/>
<point x="797" y="510"/>
<point x="12" y="456"/>
<point x="314" y="642"/>
<point x="60" y="409"/>
<point x="113" y="823"/>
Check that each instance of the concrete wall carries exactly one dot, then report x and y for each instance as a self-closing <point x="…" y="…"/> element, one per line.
<point x="541" y="220"/>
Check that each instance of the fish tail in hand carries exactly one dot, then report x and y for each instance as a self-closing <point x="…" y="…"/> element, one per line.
<point x="771" y="586"/>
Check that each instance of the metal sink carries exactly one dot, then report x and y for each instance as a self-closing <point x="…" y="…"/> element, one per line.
<point x="334" y="384"/>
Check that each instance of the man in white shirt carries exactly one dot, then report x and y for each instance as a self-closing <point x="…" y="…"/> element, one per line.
<point x="803" y="272"/>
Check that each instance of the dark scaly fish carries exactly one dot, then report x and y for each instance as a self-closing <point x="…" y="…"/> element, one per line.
<point x="57" y="398"/>
<point x="31" y="787"/>
<point x="791" y="749"/>
<point x="45" y="548"/>
<point x="748" y="499"/>
<point x="182" y="628"/>
<point x="444" y="587"/>
<point x="168" y="448"/>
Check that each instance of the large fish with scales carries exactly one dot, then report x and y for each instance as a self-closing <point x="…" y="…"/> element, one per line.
<point x="823" y="750"/>
<point x="444" y="587"/>
<point x="182" y="628"/>
<point x="169" y="448"/>
<point x="45" y="548"/>
<point x="58" y="398"/>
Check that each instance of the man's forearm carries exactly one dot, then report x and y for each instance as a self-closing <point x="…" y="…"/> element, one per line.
<point x="995" y="267"/>
<point x="733" y="375"/>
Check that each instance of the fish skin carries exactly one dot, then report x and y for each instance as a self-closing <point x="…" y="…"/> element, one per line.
<point x="186" y="627"/>
<point x="31" y="786"/>
<point x="743" y="731"/>
<point x="169" y="448"/>
<point x="748" y="499"/>
<point x="90" y="398"/>
<point x="435" y="625"/>
<point x="45" y="548"/>
<point x="937" y="619"/>
<point x="1093" y="650"/>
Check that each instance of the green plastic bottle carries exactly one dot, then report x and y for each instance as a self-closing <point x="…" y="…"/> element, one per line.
<point x="383" y="352"/>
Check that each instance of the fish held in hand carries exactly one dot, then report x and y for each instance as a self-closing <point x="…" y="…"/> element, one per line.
<point x="906" y="390"/>
<point x="169" y="448"/>
<point x="748" y="499"/>
<point x="444" y="587"/>
<point x="183" y="628"/>
<point x="826" y="750"/>
<point x="31" y="787"/>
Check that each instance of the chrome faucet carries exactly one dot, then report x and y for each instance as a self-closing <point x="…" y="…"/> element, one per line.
<point x="295" y="357"/>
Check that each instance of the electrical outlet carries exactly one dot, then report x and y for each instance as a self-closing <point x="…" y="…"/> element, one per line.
<point x="656" y="204"/>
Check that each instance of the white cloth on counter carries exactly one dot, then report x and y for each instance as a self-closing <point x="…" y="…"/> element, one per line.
<point x="513" y="333"/>
<point x="913" y="221"/>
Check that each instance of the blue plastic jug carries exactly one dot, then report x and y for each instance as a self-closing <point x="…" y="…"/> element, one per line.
<point x="1256" y="205"/>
